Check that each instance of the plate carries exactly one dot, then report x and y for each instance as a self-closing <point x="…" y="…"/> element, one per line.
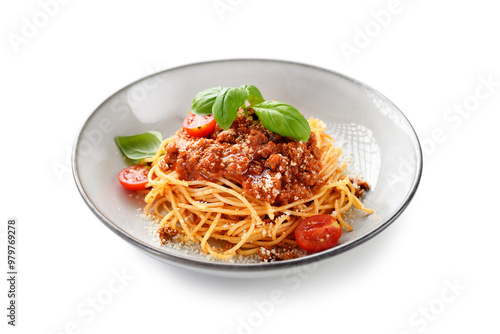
<point x="376" y="138"/>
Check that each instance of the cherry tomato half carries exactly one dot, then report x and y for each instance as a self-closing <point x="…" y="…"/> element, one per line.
<point x="317" y="233"/>
<point x="199" y="125"/>
<point x="134" y="177"/>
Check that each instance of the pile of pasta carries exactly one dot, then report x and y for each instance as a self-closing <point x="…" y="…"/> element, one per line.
<point x="204" y="212"/>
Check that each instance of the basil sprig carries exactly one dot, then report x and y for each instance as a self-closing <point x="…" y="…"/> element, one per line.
<point x="204" y="100"/>
<point x="278" y="117"/>
<point x="226" y="106"/>
<point x="283" y="119"/>
<point x="139" y="146"/>
<point x="254" y="95"/>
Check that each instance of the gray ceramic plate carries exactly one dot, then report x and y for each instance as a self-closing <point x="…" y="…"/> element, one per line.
<point x="373" y="132"/>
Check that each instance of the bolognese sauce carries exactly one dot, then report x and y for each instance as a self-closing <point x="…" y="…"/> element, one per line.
<point x="268" y="166"/>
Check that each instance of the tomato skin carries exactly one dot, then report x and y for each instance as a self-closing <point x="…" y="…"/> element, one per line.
<point x="199" y="125"/>
<point x="318" y="233"/>
<point x="134" y="177"/>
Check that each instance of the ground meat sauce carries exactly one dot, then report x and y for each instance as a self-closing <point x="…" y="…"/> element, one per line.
<point x="269" y="167"/>
<point x="166" y="233"/>
<point x="279" y="254"/>
<point x="360" y="186"/>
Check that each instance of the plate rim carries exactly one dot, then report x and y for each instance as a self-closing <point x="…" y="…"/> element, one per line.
<point x="178" y="259"/>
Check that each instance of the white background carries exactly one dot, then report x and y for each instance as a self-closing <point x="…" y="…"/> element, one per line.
<point x="427" y="57"/>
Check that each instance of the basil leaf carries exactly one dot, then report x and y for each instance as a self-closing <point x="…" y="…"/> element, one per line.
<point x="254" y="95"/>
<point x="139" y="146"/>
<point x="227" y="104"/>
<point x="203" y="101"/>
<point x="283" y="119"/>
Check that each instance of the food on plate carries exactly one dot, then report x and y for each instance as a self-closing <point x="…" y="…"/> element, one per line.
<point x="134" y="177"/>
<point x="245" y="179"/>
<point x="318" y="233"/>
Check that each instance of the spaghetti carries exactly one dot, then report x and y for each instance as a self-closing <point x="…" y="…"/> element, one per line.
<point x="226" y="219"/>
